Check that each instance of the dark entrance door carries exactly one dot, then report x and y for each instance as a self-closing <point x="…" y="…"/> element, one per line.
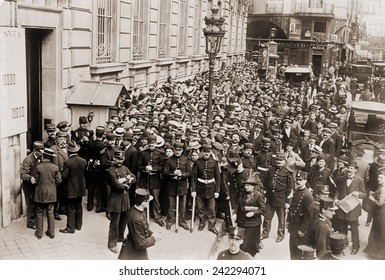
<point x="317" y="64"/>
<point x="34" y="84"/>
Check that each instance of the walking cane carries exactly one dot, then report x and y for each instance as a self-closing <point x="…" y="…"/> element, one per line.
<point x="148" y="208"/>
<point x="231" y="214"/>
<point x="192" y="215"/>
<point x="177" y="214"/>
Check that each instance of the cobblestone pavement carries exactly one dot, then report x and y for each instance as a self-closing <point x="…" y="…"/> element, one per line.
<point x="19" y="243"/>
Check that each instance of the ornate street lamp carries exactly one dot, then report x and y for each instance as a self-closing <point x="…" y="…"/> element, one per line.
<point x="214" y="34"/>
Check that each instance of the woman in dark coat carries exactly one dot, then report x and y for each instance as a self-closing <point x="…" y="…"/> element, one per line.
<point x="249" y="208"/>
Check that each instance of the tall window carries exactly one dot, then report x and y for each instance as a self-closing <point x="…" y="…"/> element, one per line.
<point x="182" y="27"/>
<point x="197" y="26"/>
<point x="104" y="44"/>
<point x="139" y="30"/>
<point x="316" y="3"/>
<point x="163" y="34"/>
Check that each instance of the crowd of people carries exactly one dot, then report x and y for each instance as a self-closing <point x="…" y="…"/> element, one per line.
<point x="270" y="148"/>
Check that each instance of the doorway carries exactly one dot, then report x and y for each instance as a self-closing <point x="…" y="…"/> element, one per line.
<point x="317" y="64"/>
<point x="36" y="54"/>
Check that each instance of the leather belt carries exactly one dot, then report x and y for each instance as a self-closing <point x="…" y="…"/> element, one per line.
<point x="206" y="181"/>
<point x="262" y="168"/>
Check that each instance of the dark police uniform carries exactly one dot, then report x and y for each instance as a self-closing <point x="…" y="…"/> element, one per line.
<point x="281" y="182"/>
<point x="298" y="219"/>
<point x="206" y="182"/>
<point x="152" y="180"/>
<point x="177" y="186"/>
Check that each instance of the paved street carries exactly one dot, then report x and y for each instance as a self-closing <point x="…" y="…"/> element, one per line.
<point x="19" y="243"/>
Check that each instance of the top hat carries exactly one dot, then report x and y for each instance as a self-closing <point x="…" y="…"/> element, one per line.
<point x="73" y="147"/>
<point x="236" y="232"/>
<point x="49" y="152"/>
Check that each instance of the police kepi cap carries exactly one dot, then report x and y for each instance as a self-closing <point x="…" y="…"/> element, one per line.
<point x="142" y="195"/>
<point x="82" y="120"/>
<point x="327" y="203"/>
<point x="38" y="146"/>
<point x="338" y="241"/>
<point x="236" y="232"/>
<point x="307" y="252"/>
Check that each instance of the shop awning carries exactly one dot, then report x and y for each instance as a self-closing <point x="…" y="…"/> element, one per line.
<point x="96" y="93"/>
<point x="350" y="47"/>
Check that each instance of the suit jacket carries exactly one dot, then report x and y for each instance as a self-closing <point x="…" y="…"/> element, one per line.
<point x="343" y="190"/>
<point x="27" y="171"/>
<point x="48" y="177"/>
<point x="131" y="159"/>
<point x="310" y="125"/>
<point x="61" y="156"/>
<point x="73" y="175"/>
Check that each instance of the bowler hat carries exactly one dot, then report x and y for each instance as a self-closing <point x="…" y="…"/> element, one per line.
<point x="73" y="147"/>
<point x="128" y="135"/>
<point x="353" y="163"/>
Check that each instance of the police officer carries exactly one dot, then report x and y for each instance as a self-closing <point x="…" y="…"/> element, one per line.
<point x="94" y="170"/>
<point x="119" y="179"/>
<point x="234" y="252"/>
<point x="323" y="229"/>
<point x="298" y="216"/>
<point x="278" y="189"/>
<point x="150" y="165"/>
<point x="177" y="170"/>
<point x="82" y="136"/>
<point x="139" y="237"/>
<point x="206" y="187"/>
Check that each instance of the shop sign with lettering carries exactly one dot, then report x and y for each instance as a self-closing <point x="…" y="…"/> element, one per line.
<point x="13" y="85"/>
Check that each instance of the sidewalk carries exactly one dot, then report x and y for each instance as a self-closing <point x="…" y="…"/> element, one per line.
<point x="17" y="242"/>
